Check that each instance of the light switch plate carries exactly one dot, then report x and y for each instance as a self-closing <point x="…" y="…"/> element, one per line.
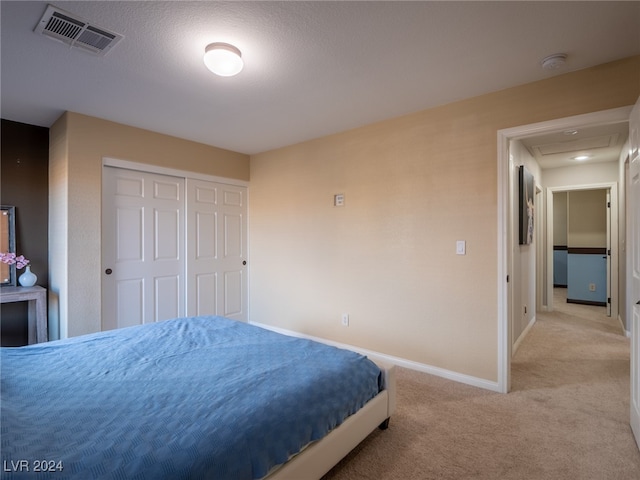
<point x="461" y="247"/>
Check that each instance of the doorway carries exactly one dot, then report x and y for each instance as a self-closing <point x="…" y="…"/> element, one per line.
<point x="582" y="253"/>
<point x="506" y="284"/>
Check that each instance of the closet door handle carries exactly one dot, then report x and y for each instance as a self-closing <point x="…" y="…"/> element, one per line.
<point x="108" y="271"/>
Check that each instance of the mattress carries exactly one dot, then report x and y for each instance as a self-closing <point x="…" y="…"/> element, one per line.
<point x="200" y="397"/>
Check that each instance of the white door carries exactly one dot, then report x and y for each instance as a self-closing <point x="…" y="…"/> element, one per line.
<point x="608" y="252"/>
<point x="216" y="249"/>
<point x="142" y="248"/>
<point x="634" y="248"/>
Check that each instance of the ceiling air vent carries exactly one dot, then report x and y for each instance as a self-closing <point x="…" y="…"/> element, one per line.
<point x="63" y="26"/>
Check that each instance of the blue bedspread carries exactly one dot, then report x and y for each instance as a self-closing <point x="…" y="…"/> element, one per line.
<point x="201" y="398"/>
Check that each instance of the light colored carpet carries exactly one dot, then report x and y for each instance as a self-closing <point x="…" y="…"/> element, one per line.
<point x="567" y="416"/>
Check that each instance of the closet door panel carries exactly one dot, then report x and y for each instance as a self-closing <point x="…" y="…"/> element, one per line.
<point x="142" y="247"/>
<point x="216" y="249"/>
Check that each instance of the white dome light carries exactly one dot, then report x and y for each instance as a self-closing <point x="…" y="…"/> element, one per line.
<point x="223" y="59"/>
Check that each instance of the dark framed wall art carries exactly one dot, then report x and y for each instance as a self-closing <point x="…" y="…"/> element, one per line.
<point x="526" y="193"/>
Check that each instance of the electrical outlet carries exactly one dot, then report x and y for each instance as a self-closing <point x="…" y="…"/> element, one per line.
<point x="345" y="319"/>
<point x="592" y="287"/>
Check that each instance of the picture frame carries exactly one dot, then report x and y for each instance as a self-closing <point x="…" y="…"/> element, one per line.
<point x="7" y="243"/>
<point x="526" y="186"/>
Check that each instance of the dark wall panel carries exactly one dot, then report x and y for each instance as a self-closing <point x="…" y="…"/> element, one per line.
<point x="24" y="183"/>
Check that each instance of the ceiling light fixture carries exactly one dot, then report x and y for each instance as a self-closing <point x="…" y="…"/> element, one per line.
<point x="581" y="158"/>
<point x="554" y="62"/>
<point x="223" y="59"/>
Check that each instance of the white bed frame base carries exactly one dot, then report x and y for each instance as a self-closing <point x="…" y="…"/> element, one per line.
<point x="319" y="457"/>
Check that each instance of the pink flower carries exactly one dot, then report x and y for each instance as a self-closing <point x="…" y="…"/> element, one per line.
<point x="21" y="262"/>
<point x="10" y="258"/>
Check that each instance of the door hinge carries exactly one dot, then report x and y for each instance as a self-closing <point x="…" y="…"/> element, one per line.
<point x="609" y="252"/>
<point x="608" y="299"/>
<point x="608" y="204"/>
<point x="507" y="278"/>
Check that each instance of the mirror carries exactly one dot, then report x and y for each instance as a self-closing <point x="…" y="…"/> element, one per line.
<point x="7" y="243"/>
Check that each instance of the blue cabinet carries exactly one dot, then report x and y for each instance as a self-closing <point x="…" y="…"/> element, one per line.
<point x="587" y="278"/>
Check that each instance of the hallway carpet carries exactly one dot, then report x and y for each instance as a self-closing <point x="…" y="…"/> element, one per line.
<point x="567" y="416"/>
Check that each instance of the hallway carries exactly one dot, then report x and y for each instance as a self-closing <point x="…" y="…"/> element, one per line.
<point x="575" y="363"/>
<point x="591" y="315"/>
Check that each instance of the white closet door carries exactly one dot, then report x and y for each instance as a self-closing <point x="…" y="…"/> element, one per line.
<point x="142" y="248"/>
<point x="216" y="249"/>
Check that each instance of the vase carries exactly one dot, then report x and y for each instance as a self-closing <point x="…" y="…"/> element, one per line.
<point x="28" y="278"/>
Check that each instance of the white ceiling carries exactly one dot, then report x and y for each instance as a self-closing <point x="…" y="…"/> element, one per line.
<point x="311" y="68"/>
<point x="601" y="143"/>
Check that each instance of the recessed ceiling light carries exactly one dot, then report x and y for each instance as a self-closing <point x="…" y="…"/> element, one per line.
<point x="223" y="59"/>
<point x="570" y="132"/>
<point x="554" y="62"/>
<point x="581" y="158"/>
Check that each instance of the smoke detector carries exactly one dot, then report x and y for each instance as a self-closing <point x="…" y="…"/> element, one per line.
<point x="65" y="27"/>
<point x="554" y="62"/>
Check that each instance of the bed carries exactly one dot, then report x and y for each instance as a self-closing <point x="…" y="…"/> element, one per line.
<point x="200" y="397"/>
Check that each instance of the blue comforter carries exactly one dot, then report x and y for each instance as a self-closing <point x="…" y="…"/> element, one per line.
<point x="201" y="398"/>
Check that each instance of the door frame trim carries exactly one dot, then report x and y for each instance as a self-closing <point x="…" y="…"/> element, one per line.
<point x="174" y="172"/>
<point x="612" y="281"/>
<point x="504" y="243"/>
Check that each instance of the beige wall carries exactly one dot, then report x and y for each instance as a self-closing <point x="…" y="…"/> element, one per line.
<point x="524" y="256"/>
<point x="413" y="186"/>
<point x="78" y="145"/>
<point x="58" y="229"/>
<point x="589" y="174"/>
<point x="587" y="219"/>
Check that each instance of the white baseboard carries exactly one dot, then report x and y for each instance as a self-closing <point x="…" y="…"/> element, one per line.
<point x="627" y="333"/>
<point x="401" y="362"/>
<point x="516" y="345"/>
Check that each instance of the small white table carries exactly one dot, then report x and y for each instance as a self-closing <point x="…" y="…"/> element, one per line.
<point x="37" y="298"/>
